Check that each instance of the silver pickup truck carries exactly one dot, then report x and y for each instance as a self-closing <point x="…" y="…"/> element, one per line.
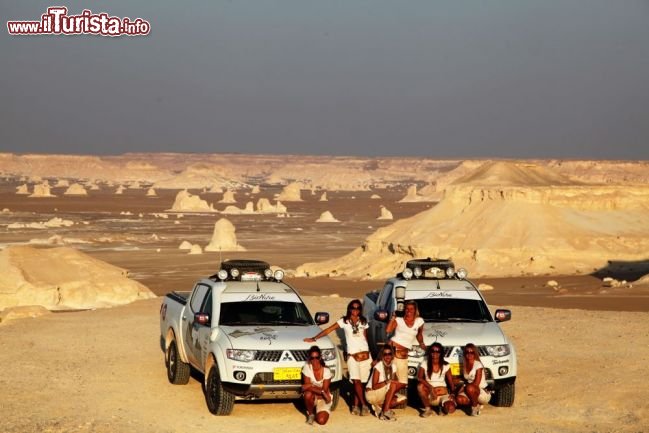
<point x="455" y="313"/>
<point x="244" y="329"/>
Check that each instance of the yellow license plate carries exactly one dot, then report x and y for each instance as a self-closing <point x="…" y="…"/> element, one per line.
<point x="287" y="373"/>
<point x="455" y="369"/>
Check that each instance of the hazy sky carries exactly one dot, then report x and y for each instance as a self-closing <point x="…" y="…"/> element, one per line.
<point x="543" y="78"/>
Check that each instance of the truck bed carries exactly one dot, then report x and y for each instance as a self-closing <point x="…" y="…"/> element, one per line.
<point x="180" y="297"/>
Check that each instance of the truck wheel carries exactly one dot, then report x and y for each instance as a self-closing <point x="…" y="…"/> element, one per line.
<point x="335" y="396"/>
<point x="504" y="396"/>
<point x="177" y="370"/>
<point x="219" y="401"/>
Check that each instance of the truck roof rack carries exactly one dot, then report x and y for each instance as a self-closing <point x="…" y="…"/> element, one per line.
<point x="425" y="264"/>
<point x="246" y="270"/>
<point x="439" y="268"/>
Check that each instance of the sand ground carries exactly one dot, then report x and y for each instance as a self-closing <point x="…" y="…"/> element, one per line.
<point x="103" y="371"/>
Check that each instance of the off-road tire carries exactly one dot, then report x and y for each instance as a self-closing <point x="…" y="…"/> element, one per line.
<point x="219" y="401"/>
<point x="335" y="397"/>
<point x="177" y="371"/>
<point x="504" y="396"/>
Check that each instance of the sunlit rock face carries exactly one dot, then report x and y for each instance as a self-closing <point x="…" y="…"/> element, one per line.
<point x="63" y="278"/>
<point x="186" y="202"/>
<point x="509" y="219"/>
<point x="224" y="237"/>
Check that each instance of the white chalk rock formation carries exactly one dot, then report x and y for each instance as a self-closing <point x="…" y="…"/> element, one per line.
<point x="60" y="183"/>
<point x="185" y="202"/>
<point x="290" y="192"/>
<point x="185" y="245"/>
<point x="151" y="192"/>
<point x="375" y="197"/>
<point x="22" y="312"/>
<point x="385" y="214"/>
<point x="216" y="189"/>
<point x="255" y="190"/>
<point x="195" y="249"/>
<point x="327" y="217"/>
<point x="42" y="190"/>
<point x="224" y="237"/>
<point x="75" y="189"/>
<point x="63" y="278"/>
<point x="22" y="189"/>
<point x="510" y="219"/>
<point x="264" y="206"/>
<point x="323" y="197"/>
<point x="233" y="210"/>
<point x="134" y="185"/>
<point x="120" y="190"/>
<point x="228" y="197"/>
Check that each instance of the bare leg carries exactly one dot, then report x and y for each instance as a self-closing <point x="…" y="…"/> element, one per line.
<point x="309" y="402"/>
<point x="390" y="400"/>
<point x="472" y="392"/>
<point x="424" y="395"/>
<point x="359" y="395"/>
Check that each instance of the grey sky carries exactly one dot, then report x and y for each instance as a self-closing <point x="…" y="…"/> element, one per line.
<point x="543" y="78"/>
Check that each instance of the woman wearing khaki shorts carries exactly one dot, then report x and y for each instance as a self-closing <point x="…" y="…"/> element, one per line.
<point x="382" y="387"/>
<point x="359" y="361"/>
<point x="435" y="381"/>
<point x="408" y="330"/>
<point x="474" y="392"/>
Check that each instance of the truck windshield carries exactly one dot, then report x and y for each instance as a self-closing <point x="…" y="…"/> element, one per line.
<point x="264" y="313"/>
<point x="453" y="310"/>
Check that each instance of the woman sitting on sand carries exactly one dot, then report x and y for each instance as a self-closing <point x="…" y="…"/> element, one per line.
<point x="474" y="391"/>
<point x="359" y="362"/>
<point x="316" y="378"/>
<point x="435" y="380"/>
<point x="382" y="387"/>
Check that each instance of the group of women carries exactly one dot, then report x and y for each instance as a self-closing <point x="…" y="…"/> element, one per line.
<point x="377" y="382"/>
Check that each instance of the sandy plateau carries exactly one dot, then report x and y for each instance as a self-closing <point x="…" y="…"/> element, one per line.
<point x="563" y="244"/>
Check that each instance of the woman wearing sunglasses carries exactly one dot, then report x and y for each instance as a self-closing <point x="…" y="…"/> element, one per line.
<point x="316" y="378"/>
<point x="435" y="380"/>
<point x="474" y="391"/>
<point x="359" y="362"/>
<point x="383" y="385"/>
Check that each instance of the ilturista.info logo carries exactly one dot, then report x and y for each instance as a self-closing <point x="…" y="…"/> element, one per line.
<point x="56" y="21"/>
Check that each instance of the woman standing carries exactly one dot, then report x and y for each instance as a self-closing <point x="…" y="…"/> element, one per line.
<point x="381" y="389"/>
<point x="359" y="361"/>
<point x="407" y="330"/>
<point x="316" y="378"/>
<point x="435" y="380"/>
<point x="474" y="392"/>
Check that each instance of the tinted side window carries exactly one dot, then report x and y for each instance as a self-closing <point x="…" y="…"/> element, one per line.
<point x="386" y="295"/>
<point x="198" y="297"/>
<point x="207" y="305"/>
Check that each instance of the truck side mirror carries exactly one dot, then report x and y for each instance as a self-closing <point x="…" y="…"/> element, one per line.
<point x="202" y="319"/>
<point x="381" y="315"/>
<point x="503" y="315"/>
<point x="321" y="318"/>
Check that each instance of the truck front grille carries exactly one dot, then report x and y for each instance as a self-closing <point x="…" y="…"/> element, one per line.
<point x="276" y="355"/>
<point x="267" y="379"/>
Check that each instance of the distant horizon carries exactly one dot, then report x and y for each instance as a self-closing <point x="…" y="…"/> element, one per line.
<point x="473" y="158"/>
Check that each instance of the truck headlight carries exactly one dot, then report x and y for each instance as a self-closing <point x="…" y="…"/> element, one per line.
<point x="497" y="350"/>
<point x="328" y="354"/>
<point x="241" y="355"/>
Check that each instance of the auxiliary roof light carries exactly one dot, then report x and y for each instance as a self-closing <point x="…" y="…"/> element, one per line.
<point x="222" y="274"/>
<point x="234" y="272"/>
<point x="279" y="275"/>
<point x="462" y="273"/>
<point x="418" y="272"/>
<point x="268" y="274"/>
<point x="450" y="271"/>
<point x="407" y="273"/>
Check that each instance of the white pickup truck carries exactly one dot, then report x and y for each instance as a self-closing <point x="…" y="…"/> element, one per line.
<point x="244" y="329"/>
<point x="455" y="313"/>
